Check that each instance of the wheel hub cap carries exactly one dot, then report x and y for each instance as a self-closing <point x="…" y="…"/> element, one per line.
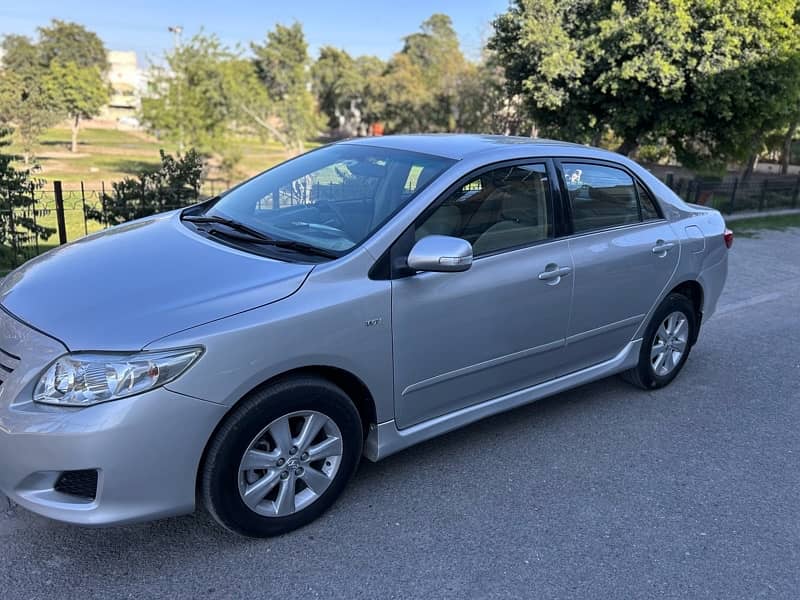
<point x="290" y="463"/>
<point x="669" y="343"/>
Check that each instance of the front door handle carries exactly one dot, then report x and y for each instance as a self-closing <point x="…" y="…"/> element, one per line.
<point x="552" y="273"/>
<point x="661" y="248"/>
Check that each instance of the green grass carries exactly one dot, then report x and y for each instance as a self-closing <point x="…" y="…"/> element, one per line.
<point x="109" y="155"/>
<point x="752" y="226"/>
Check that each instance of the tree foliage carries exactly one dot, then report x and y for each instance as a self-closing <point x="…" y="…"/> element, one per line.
<point x="346" y="89"/>
<point x="282" y="66"/>
<point x="26" y="98"/>
<point x="421" y="84"/>
<point x="62" y="74"/>
<point x="485" y="104"/>
<point x="709" y="76"/>
<point x="64" y="42"/>
<point x="189" y="101"/>
<point x="210" y="94"/>
<point x="175" y="184"/>
<point x="81" y="92"/>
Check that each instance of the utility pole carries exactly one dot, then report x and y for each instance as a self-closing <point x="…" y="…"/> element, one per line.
<point x="176" y="31"/>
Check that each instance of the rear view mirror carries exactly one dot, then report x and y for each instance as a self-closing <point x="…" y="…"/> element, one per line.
<point x="440" y="253"/>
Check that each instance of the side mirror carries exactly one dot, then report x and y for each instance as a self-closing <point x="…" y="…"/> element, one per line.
<point x="440" y="253"/>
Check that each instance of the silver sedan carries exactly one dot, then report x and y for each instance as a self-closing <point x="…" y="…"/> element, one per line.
<point x="355" y="300"/>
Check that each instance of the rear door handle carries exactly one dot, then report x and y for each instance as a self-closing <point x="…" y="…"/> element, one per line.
<point x="552" y="273"/>
<point x="661" y="248"/>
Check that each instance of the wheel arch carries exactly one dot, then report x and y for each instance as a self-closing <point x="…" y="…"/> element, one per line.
<point x="693" y="290"/>
<point x="350" y="384"/>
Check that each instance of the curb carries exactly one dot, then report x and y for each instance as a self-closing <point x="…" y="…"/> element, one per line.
<point x="753" y="214"/>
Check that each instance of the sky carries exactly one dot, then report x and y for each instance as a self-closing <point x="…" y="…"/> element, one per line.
<point x="360" y="27"/>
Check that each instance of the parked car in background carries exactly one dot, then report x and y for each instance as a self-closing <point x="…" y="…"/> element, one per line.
<point x="357" y="299"/>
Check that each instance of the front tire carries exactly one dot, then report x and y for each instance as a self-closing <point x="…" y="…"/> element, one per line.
<point x="282" y="457"/>
<point x="666" y="344"/>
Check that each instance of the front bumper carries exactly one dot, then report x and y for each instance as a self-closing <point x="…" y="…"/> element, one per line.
<point x="146" y="448"/>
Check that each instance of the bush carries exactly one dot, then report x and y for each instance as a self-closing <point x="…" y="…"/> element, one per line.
<point x="174" y="185"/>
<point x="17" y="187"/>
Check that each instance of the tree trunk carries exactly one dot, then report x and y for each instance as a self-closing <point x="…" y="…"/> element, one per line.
<point x="75" y="125"/>
<point x="786" y="152"/>
<point x="628" y="147"/>
<point x="750" y="167"/>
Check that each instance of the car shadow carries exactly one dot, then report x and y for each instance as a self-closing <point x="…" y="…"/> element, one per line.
<point x="175" y="541"/>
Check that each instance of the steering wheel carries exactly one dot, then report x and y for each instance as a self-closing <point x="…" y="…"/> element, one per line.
<point x="328" y="206"/>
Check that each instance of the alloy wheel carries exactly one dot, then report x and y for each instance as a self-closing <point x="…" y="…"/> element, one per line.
<point x="669" y="343"/>
<point x="290" y="463"/>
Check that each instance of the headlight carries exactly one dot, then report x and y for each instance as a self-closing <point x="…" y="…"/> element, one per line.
<point x="86" y="379"/>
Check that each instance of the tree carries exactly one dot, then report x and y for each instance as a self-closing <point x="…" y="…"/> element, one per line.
<point x="348" y="90"/>
<point x="484" y="103"/>
<point x="408" y="100"/>
<point x="209" y="96"/>
<point x="421" y="82"/>
<point x="709" y="76"/>
<point x="64" y="42"/>
<point x="20" y="54"/>
<point x="16" y="196"/>
<point x="63" y="73"/>
<point x="82" y="92"/>
<point x="786" y="146"/>
<point x="25" y="98"/>
<point x="370" y="72"/>
<point x="282" y="66"/>
<point x="189" y="101"/>
<point x="338" y="86"/>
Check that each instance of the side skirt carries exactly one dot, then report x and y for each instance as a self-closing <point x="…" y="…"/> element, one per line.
<point x="385" y="438"/>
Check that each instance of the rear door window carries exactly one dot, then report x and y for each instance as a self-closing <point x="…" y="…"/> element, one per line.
<point x="601" y="197"/>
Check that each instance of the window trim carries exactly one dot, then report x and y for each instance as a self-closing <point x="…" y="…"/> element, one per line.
<point x="569" y="224"/>
<point x="212" y="202"/>
<point x="388" y="265"/>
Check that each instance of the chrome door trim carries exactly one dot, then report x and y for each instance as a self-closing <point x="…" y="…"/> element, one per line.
<point x="660" y="221"/>
<point x="493" y="362"/>
<point x="634" y="320"/>
<point x="385" y="438"/>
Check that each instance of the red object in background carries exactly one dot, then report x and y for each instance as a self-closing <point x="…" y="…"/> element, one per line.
<point x="728" y="235"/>
<point x="377" y="128"/>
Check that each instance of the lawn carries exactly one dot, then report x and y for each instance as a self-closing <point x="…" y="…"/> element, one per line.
<point x="752" y="226"/>
<point x="107" y="155"/>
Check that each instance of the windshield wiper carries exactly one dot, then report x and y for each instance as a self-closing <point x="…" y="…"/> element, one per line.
<point x="253" y="236"/>
<point x="302" y="247"/>
<point x="238" y="226"/>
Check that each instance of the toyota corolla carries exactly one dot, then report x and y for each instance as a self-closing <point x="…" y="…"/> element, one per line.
<point x="244" y="353"/>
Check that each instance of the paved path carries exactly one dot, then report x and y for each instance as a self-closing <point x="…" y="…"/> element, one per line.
<point x="600" y="492"/>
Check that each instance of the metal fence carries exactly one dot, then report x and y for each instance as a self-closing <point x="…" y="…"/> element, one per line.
<point x="733" y="194"/>
<point x="72" y="212"/>
<point x="65" y="213"/>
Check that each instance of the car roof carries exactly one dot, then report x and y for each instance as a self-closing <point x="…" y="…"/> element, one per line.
<point x="461" y="145"/>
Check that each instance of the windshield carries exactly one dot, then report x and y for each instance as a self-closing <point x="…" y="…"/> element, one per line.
<point x="332" y="198"/>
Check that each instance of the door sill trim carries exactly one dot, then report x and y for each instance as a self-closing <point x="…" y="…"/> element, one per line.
<point x="486" y="364"/>
<point x="385" y="438"/>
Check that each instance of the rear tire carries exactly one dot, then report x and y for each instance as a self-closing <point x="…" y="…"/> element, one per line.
<point x="666" y="344"/>
<point x="282" y="457"/>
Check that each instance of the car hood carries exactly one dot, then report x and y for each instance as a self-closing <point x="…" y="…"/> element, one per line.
<point x="130" y="285"/>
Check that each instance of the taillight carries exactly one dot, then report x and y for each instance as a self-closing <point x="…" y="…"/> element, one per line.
<point x="728" y="235"/>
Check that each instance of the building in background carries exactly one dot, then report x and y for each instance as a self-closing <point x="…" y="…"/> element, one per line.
<point x="127" y="82"/>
